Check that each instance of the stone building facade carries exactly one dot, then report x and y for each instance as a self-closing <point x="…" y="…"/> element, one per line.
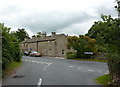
<point x="54" y="45"/>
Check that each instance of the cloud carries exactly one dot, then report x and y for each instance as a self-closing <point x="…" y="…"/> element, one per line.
<point x="68" y="16"/>
<point x="77" y="28"/>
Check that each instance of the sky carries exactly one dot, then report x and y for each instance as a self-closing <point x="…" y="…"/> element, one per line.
<point x="72" y="17"/>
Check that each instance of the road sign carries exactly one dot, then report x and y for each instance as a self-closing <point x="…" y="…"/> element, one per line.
<point x="88" y="53"/>
<point x="91" y="53"/>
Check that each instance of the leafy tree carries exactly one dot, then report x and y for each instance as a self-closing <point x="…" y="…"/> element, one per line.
<point x="38" y="34"/>
<point x="10" y="47"/>
<point x="71" y="42"/>
<point x="21" y="34"/>
<point x="82" y="44"/>
<point x="107" y="34"/>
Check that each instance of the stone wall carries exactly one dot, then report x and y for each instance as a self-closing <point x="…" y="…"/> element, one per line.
<point x="47" y="48"/>
<point x="61" y="45"/>
<point x="100" y="56"/>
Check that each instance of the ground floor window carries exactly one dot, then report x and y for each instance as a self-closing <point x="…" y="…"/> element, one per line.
<point x="62" y="51"/>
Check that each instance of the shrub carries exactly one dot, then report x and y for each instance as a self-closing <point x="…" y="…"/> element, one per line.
<point x="80" y="54"/>
<point x="114" y="68"/>
<point x="71" y="55"/>
<point x="10" y="47"/>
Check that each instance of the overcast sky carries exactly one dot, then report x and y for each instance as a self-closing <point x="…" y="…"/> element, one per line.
<point x="72" y="17"/>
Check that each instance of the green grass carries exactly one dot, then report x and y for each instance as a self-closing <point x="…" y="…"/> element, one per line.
<point x="10" y="68"/>
<point x="90" y="60"/>
<point x="104" y="79"/>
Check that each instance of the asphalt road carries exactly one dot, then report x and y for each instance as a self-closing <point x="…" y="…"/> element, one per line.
<point x="56" y="71"/>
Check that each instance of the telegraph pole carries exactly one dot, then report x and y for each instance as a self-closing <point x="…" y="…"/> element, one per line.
<point x="118" y="9"/>
<point x="118" y="2"/>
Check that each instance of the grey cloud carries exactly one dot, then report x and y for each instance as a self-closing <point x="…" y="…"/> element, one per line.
<point x="53" y="20"/>
<point x="107" y="10"/>
<point x="10" y="9"/>
<point x="59" y="21"/>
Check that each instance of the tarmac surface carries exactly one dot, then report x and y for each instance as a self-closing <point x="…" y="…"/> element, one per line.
<point x="40" y="71"/>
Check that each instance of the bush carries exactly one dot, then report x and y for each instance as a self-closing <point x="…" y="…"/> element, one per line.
<point x="10" y="47"/>
<point x="114" y="68"/>
<point x="82" y="55"/>
<point x="71" y="55"/>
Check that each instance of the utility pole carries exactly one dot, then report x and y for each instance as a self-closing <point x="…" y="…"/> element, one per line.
<point x="118" y="2"/>
<point x="118" y="9"/>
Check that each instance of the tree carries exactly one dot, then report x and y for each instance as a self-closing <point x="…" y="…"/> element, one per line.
<point x="21" y="34"/>
<point x="10" y="47"/>
<point x="107" y="34"/>
<point x="81" y="45"/>
<point x="38" y="34"/>
<point x="71" y="42"/>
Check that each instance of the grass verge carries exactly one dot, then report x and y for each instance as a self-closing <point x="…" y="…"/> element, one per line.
<point x="10" y="68"/>
<point x="89" y="59"/>
<point x="104" y="80"/>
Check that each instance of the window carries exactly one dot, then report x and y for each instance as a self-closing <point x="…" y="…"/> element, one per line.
<point x="62" y="51"/>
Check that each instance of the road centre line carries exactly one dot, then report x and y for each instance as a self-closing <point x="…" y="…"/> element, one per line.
<point x="39" y="82"/>
<point x="47" y="66"/>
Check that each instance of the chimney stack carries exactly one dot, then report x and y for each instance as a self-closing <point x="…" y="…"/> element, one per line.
<point x="53" y="33"/>
<point x="33" y="37"/>
<point x="43" y="34"/>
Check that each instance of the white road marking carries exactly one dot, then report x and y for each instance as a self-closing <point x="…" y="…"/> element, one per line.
<point x="59" y="58"/>
<point x="107" y="73"/>
<point x="47" y="66"/>
<point x="79" y="68"/>
<point x="33" y="61"/>
<point x="39" y="82"/>
<point x="70" y="66"/>
<point x="90" y="70"/>
<point x="26" y="60"/>
<point x="44" y="62"/>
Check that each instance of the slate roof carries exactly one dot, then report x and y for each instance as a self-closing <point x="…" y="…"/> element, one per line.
<point x="41" y="39"/>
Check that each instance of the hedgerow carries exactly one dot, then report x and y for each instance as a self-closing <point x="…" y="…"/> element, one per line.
<point x="10" y="47"/>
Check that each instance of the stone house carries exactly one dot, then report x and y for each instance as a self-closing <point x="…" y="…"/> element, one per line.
<point x="54" y="45"/>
